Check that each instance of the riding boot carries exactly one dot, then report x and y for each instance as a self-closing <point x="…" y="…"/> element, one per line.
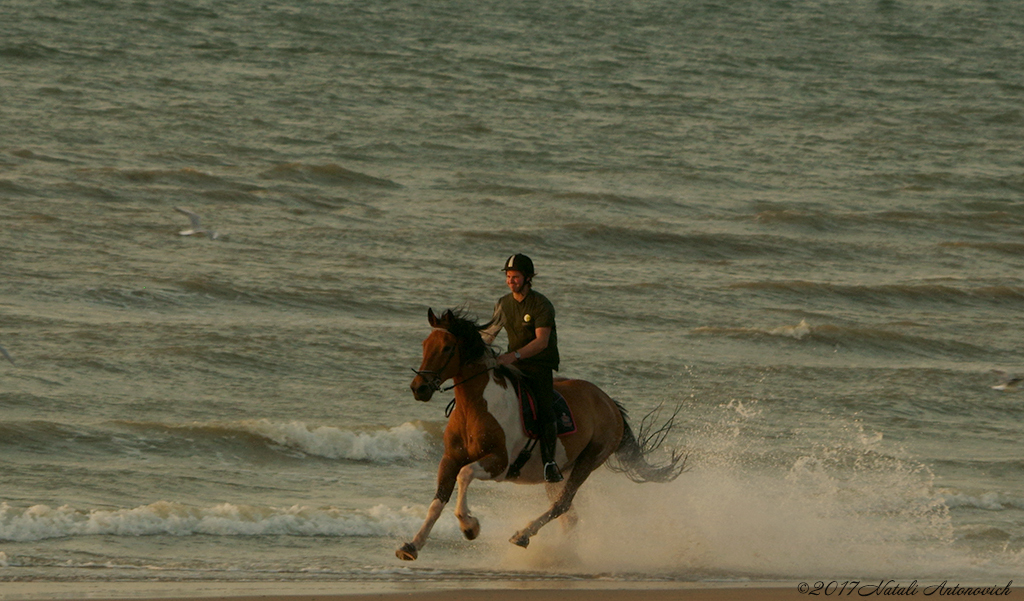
<point x="548" y="438"/>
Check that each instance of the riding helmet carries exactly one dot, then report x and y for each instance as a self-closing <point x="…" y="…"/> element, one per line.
<point x="521" y="263"/>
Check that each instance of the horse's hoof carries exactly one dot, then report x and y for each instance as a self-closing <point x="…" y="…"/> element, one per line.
<point x="473" y="530"/>
<point x="520" y="539"/>
<point x="407" y="552"/>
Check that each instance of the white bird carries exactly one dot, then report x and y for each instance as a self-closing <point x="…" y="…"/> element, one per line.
<point x="197" y="228"/>
<point x="4" y="352"/>
<point x="1010" y="381"/>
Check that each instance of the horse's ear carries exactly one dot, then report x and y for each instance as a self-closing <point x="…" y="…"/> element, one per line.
<point x="432" y="318"/>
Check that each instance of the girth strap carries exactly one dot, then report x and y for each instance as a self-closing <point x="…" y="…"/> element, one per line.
<point x="524" y="456"/>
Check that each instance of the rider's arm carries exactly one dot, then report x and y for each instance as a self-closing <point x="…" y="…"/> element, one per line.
<point x="532" y="348"/>
<point x="491" y="329"/>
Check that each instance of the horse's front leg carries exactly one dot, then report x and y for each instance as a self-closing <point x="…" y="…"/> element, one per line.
<point x="484" y="469"/>
<point x="447" y="473"/>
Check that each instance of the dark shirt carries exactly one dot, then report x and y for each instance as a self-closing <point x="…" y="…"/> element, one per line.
<point x="521" y="320"/>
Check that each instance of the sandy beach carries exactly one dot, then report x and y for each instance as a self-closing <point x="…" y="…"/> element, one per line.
<point x="348" y="592"/>
<point x="507" y="591"/>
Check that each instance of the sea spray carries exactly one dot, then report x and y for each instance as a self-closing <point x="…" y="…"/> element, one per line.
<point x="732" y="514"/>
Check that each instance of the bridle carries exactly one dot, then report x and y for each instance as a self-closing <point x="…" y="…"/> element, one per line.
<point x="433" y="377"/>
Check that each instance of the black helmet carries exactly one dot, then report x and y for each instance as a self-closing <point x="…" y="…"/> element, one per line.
<point x="521" y="263"/>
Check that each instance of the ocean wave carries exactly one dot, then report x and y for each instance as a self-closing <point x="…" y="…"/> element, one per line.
<point x="610" y="199"/>
<point x="903" y="220"/>
<point x="399" y="443"/>
<point x="1007" y="248"/>
<point x="952" y="180"/>
<point x="394" y="444"/>
<point x="35" y="435"/>
<point x="41" y="522"/>
<point x="28" y="51"/>
<point x="9" y="187"/>
<point x="498" y="189"/>
<point x="799" y="331"/>
<point x="409" y="441"/>
<point x="125" y="298"/>
<point x="328" y="175"/>
<point x="187" y="176"/>
<point x="177" y="292"/>
<point x="25" y="153"/>
<point x="990" y="501"/>
<point x="811" y="219"/>
<point x="699" y="245"/>
<point x="863" y="336"/>
<point x="889" y="294"/>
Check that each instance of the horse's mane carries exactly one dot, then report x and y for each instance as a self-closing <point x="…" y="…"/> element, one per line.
<point x="466" y="330"/>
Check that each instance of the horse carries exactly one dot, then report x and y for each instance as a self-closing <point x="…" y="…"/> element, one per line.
<point x="485" y="432"/>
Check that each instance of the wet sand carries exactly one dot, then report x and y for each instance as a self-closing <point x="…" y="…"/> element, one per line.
<point x="276" y="591"/>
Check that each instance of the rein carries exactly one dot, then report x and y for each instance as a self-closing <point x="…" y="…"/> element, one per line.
<point x="434" y="383"/>
<point x="473" y="377"/>
<point x="451" y="406"/>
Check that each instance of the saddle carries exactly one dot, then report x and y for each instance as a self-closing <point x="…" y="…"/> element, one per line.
<point x="531" y="427"/>
<point x="564" y="422"/>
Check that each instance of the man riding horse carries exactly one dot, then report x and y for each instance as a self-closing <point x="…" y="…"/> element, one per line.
<point x="528" y="318"/>
<point x="485" y="429"/>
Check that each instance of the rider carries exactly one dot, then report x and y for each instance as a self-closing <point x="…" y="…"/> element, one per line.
<point x="528" y="318"/>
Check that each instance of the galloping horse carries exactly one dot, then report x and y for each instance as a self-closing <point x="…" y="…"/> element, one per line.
<point x="485" y="432"/>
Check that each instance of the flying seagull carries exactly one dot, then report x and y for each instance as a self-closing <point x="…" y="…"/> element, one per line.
<point x="197" y="228"/>
<point x="1010" y="381"/>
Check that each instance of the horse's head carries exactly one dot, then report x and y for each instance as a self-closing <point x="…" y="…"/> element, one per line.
<point x="454" y="341"/>
<point x="440" y="357"/>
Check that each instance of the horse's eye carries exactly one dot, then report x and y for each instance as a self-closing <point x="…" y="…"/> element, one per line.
<point x="448" y="348"/>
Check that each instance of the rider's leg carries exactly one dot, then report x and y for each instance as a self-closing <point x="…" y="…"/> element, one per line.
<point x="544" y="395"/>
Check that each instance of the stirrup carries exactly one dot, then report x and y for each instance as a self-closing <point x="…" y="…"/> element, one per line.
<point x="551" y="473"/>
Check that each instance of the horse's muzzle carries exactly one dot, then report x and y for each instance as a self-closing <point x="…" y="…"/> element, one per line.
<point x="421" y="389"/>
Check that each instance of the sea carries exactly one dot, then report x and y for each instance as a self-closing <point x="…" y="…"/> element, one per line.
<point x="798" y="223"/>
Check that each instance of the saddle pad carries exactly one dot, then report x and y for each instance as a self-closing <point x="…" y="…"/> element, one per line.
<point x="563" y="415"/>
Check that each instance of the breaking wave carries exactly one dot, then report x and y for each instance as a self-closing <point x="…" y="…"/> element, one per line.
<point x="384" y="445"/>
<point x="40" y="522"/>
<point x="408" y="441"/>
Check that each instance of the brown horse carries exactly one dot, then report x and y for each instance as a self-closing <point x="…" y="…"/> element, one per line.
<point x="485" y="431"/>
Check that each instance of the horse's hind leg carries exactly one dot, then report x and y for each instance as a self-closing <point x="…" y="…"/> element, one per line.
<point x="581" y="469"/>
<point x="570" y="518"/>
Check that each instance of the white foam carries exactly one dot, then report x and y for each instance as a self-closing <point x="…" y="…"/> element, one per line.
<point x="400" y="442"/>
<point x="41" y="522"/>
<point x="799" y="331"/>
<point x="989" y="501"/>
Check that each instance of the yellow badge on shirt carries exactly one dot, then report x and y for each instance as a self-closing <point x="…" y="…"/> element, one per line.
<point x="527" y="318"/>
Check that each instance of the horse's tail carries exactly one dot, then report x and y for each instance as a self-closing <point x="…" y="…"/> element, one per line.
<point x="633" y="455"/>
